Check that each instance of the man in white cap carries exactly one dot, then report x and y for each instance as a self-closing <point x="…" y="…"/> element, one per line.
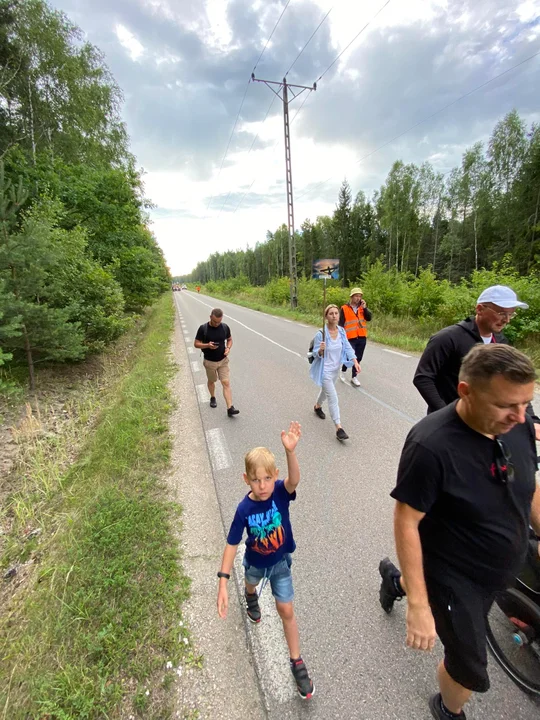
<point x="352" y="318"/>
<point x="436" y="377"/>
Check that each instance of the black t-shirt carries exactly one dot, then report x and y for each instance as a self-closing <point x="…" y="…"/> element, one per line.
<point x="475" y="524"/>
<point x="219" y="335"/>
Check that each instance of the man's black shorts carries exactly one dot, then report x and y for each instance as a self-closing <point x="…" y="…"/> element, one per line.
<point x="460" y="609"/>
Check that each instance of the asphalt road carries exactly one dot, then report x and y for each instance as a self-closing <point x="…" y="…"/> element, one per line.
<point x="342" y="521"/>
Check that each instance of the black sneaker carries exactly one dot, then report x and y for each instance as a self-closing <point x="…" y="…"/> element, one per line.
<point x="252" y="607"/>
<point x="389" y="593"/>
<point x="232" y="411"/>
<point x="319" y="412"/>
<point x="213" y="402"/>
<point x="341" y="434"/>
<point x="304" y="684"/>
<point x="437" y="711"/>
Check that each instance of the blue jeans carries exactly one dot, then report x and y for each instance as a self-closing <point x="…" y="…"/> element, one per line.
<point x="279" y="575"/>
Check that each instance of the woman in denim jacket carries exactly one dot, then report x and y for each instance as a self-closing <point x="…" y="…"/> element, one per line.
<point x="328" y="358"/>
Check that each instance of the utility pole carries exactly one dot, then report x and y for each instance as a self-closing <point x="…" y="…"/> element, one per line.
<point x="285" y="87"/>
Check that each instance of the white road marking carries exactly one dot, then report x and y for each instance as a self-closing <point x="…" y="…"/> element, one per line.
<point x="302" y="325"/>
<point x="220" y="456"/>
<point x="302" y="357"/>
<point x="254" y="331"/>
<point x="195" y="367"/>
<point x="187" y="338"/>
<point x="395" y="352"/>
<point x="285" y="320"/>
<point x="192" y="350"/>
<point x="269" y="649"/>
<point x="202" y="394"/>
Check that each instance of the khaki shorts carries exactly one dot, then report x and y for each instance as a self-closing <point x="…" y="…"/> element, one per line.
<point x="215" y="370"/>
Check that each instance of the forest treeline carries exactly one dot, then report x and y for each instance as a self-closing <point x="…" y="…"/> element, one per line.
<point x="456" y="223"/>
<point x="76" y="256"/>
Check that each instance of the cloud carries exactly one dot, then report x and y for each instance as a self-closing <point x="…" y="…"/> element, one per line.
<point x="184" y="68"/>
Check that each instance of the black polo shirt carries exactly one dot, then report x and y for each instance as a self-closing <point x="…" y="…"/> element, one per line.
<point x="219" y="335"/>
<point x="475" y="524"/>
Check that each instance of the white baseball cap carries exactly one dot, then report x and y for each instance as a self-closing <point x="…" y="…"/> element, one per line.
<point x="502" y="296"/>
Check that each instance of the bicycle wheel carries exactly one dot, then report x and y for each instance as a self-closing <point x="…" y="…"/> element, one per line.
<point x="513" y="636"/>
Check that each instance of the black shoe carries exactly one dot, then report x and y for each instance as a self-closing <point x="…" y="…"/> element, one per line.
<point x="213" y="402"/>
<point x="252" y="607"/>
<point x="341" y="434"/>
<point x="304" y="684"/>
<point x="389" y="593"/>
<point x="232" y="411"/>
<point x="319" y="412"/>
<point x="437" y="711"/>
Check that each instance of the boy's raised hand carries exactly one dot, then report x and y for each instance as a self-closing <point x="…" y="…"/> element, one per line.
<point x="290" y="439"/>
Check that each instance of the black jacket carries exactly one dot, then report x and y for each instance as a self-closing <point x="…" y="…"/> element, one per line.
<point x="436" y="377"/>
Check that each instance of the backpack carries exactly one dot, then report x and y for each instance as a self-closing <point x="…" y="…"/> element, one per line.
<point x="205" y="330"/>
<point x="310" y="355"/>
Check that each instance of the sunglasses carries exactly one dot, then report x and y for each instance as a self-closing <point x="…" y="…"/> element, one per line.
<point x="503" y="463"/>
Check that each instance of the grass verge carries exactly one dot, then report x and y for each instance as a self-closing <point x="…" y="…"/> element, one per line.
<point x="398" y="332"/>
<point x="91" y="633"/>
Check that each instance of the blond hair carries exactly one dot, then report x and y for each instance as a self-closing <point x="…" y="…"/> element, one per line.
<point x="329" y="307"/>
<point x="259" y="457"/>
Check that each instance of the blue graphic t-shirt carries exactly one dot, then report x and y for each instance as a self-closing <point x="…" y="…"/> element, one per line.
<point x="268" y="526"/>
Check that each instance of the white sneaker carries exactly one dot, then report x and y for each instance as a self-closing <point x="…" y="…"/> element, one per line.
<point x="342" y="377"/>
<point x="356" y="382"/>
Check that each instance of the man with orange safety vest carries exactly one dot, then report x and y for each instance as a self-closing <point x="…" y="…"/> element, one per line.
<point x="353" y="318"/>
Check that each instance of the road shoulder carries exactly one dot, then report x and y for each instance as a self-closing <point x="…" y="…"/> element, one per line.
<point x="226" y="687"/>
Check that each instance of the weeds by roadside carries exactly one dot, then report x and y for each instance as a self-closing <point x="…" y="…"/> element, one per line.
<point x="97" y="630"/>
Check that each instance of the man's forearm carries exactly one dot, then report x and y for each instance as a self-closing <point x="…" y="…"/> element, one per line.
<point x="427" y="389"/>
<point x="409" y="550"/>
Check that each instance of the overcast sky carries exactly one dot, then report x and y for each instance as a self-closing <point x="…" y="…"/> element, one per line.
<point x="184" y="65"/>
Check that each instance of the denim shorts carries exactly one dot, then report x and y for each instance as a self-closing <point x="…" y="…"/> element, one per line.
<point x="279" y="576"/>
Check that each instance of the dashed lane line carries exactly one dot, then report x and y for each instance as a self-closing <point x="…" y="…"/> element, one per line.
<point x="265" y="337"/>
<point x="195" y="366"/>
<point x="369" y="395"/>
<point x="220" y="457"/>
<point x="202" y="394"/>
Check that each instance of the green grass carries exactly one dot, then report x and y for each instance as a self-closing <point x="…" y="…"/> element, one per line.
<point x="92" y="633"/>
<point x="403" y="333"/>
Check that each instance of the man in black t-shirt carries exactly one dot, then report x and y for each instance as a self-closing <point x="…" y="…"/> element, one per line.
<point x="466" y="494"/>
<point x="215" y="341"/>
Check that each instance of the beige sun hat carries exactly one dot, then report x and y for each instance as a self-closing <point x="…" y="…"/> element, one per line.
<point x="356" y="291"/>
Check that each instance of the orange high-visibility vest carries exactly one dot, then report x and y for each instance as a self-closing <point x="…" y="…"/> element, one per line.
<point x="355" y="325"/>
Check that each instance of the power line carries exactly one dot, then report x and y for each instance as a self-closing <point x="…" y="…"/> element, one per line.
<point x="353" y="40"/>
<point x="420" y="122"/>
<point x="271" y="35"/>
<point x="249" y="151"/>
<point x="318" y="79"/>
<point x="242" y="103"/>
<point x="310" y="39"/>
<point x="229" y="143"/>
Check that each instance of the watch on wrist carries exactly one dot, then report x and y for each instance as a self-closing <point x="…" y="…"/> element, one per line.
<point x="224" y="575"/>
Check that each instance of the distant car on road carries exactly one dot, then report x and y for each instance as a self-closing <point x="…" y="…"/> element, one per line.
<point x="184" y="287"/>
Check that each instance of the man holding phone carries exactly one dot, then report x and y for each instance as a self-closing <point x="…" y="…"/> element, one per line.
<point x="215" y="341"/>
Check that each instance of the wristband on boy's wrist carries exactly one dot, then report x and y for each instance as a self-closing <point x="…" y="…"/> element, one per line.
<point x="224" y="575"/>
